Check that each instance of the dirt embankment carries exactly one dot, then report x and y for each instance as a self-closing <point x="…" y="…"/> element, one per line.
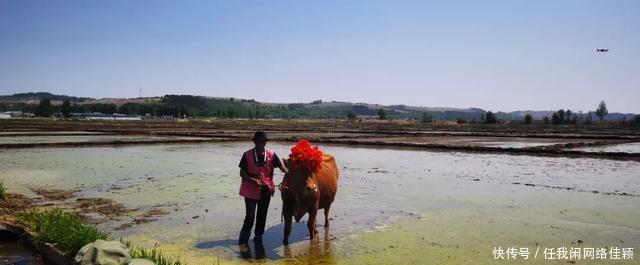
<point x="219" y="126"/>
<point x="13" y="203"/>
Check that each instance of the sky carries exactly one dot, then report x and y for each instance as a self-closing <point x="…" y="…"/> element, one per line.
<point x="495" y="55"/>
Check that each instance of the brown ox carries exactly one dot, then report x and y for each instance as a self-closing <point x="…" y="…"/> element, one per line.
<point x="306" y="193"/>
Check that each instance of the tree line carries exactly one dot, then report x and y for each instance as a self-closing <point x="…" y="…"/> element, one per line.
<point x="195" y="106"/>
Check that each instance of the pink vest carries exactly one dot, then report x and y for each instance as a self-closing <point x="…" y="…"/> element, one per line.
<point x="250" y="189"/>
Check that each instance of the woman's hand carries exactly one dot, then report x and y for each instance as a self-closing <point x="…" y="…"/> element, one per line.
<point x="258" y="179"/>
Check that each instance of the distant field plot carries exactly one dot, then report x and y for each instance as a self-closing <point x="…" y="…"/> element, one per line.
<point x="504" y="142"/>
<point x="89" y="138"/>
<point x="625" y="148"/>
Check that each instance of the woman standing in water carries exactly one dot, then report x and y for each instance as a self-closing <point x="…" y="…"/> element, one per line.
<point x="257" y="187"/>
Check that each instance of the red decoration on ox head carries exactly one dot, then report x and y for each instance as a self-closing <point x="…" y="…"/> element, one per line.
<point x="304" y="157"/>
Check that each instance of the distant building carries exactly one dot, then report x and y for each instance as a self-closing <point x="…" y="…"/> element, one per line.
<point x="14" y="113"/>
<point x="149" y="117"/>
<point x="97" y="116"/>
<point x="124" y="117"/>
<point x="104" y="116"/>
<point x="166" y="118"/>
<point x="18" y="114"/>
<point x="5" y="116"/>
<point x="76" y="115"/>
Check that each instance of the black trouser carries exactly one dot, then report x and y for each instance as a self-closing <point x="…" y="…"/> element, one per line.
<point x="263" y="206"/>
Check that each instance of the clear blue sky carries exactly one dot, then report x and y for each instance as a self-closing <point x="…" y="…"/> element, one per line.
<point x="496" y="55"/>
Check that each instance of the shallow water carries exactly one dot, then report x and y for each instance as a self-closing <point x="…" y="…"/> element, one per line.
<point x="392" y="205"/>
<point x="625" y="148"/>
<point x="39" y="132"/>
<point x="86" y="138"/>
<point x="488" y="141"/>
<point x="12" y="251"/>
<point x="515" y="144"/>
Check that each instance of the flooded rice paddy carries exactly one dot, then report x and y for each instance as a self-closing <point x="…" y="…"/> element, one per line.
<point x="87" y="138"/>
<point x="35" y="132"/>
<point x="502" y="142"/>
<point x="394" y="206"/>
<point x="625" y="148"/>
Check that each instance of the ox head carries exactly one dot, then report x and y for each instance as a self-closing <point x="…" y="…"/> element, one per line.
<point x="303" y="188"/>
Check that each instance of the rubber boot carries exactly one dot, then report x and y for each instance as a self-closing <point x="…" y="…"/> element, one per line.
<point x="244" y="237"/>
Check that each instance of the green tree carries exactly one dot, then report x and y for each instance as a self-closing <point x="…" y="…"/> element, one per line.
<point x="44" y="108"/>
<point x="351" y="116"/>
<point x="602" y="110"/>
<point x="561" y="116"/>
<point x="382" y="114"/>
<point x="574" y="119"/>
<point x="426" y="118"/>
<point x="258" y="113"/>
<point x="490" y="118"/>
<point x="587" y="119"/>
<point x="567" y="115"/>
<point x="231" y="113"/>
<point x="130" y="109"/>
<point x="66" y="108"/>
<point x="528" y="119"/>
<point x="555" y="118"/>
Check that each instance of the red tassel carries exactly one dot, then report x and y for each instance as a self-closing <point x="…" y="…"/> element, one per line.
<point x="304" y="157"/>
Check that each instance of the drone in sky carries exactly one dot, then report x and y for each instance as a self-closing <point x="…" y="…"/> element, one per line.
<point x="602" y="50"/>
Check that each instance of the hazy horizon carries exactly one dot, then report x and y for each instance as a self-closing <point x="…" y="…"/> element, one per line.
<point x="494" y="55"/>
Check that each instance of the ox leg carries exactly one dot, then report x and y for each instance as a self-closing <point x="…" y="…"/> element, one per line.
<point x="287" y="215"/>
<point x="311" y="224"/>
<point x="326" y="216"/>
<point x="287" y="228"/>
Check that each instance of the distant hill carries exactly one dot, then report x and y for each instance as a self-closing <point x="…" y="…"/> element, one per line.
<point x="224" y="107"/>
<point x="41" y="95"/>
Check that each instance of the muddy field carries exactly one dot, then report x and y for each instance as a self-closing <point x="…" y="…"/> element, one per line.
<point x="538" y="139"/>
<point x="412" y="202"/>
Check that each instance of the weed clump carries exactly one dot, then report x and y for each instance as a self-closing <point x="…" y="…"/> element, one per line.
<point x="67" y="230"/>
<point x="3" y="191"/>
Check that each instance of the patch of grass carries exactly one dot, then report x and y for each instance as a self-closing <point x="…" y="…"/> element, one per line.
<point x="154" y="255"/>
<point x="67" y="230"/>
<point x="3" y="190"/>
<point x="70" y="233"/>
